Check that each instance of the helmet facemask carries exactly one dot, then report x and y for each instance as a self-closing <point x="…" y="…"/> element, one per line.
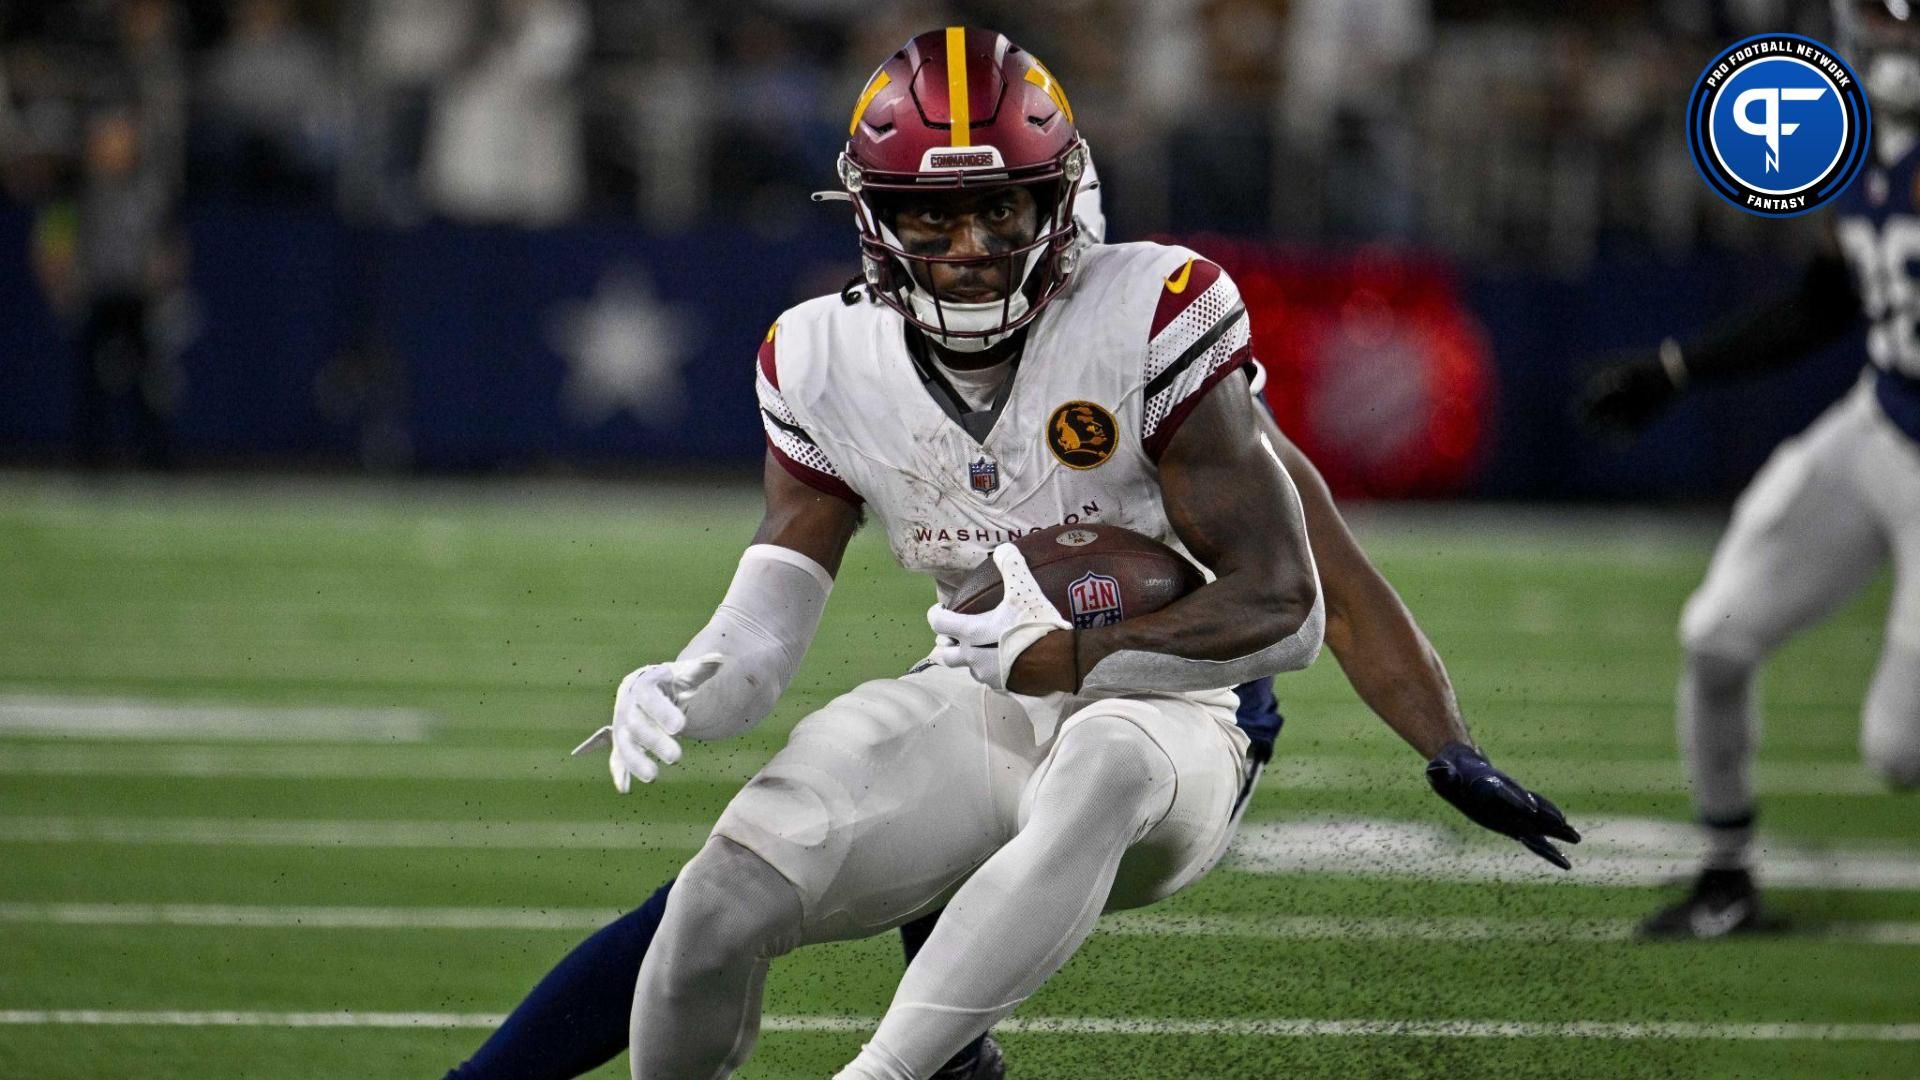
<point x="1029" y="275"/>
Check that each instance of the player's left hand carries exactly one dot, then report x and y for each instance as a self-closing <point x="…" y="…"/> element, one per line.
<point x="1493" y="800"/>
<point x="987" y="644"/>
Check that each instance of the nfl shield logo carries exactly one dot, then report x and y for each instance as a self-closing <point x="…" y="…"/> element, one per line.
<point x="1095" y="599"/>
<point x="984" y="476"/>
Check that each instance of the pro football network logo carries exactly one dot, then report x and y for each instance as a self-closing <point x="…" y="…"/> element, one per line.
<point x="1778" y="124"/>
<point x="1095" y="600"/>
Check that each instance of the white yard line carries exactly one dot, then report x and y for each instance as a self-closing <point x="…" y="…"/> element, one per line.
<point x="1618" y="851"/>
<point x="1122" y="924"/>
<point x="138" y="718"/>
<point x="1044" y="1025"/>
<point x="416" y="762"/>
<point x="1559" y="776"/>
<point x="250" y="832"/>
<point x="311" y="918"/>
<point x="1448" y="928"/>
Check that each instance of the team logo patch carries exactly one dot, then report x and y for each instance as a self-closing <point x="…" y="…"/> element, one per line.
<point x="1095" y="599"/>
<point x="1778" y="125"/>
<point x="1081" y="434"/>
<point x="983" y="476"/>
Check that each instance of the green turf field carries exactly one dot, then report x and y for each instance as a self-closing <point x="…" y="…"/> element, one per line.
<point x="283" y="792"/>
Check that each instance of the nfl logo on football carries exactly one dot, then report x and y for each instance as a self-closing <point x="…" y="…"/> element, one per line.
<point x="984" y="476"/>
<point x="1096" y="601"/>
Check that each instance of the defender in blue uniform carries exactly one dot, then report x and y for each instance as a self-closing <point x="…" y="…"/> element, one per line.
<point x="1832" y="505"/>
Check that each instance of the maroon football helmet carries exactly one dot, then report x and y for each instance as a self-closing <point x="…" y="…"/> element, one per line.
<point x="964" y="108"/>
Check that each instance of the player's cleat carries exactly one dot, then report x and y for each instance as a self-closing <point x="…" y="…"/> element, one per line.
<point x="1721" y="902"/>
<point x="987" y="1064"/>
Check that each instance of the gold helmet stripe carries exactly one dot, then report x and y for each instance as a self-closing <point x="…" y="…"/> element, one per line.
<point x="958" y="107"/>
<point x="874" y="86"/>
<point x="1039" y="76"/>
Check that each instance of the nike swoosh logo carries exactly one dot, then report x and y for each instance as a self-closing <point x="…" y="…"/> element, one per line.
<point x="1713" y="924"/>
<point x="1177" y="284"/>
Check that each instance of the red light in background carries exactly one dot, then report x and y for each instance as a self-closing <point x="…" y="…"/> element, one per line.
<point x="1374" y="366"/>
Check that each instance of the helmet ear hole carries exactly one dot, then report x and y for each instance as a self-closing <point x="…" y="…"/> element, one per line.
<point x="884" y="273"/>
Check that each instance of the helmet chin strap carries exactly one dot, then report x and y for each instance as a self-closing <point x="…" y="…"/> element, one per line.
<point x="965" y="318"/>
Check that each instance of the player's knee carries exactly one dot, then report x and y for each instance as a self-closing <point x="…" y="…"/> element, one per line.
<point x="1114" y="761"/>
<point x="1894" y="758"/>
<point x="1710" y="629"/>
<point x="734" y="905"/>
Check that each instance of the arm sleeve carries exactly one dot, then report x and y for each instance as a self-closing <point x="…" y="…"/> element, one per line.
<point x="1198" y="336"/>
<point x="790" y="443"/>
<point x="763" y="628"/>
<point x="1820" y="309"/>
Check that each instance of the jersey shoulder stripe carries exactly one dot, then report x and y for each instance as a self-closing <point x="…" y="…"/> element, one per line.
<point x="1199" y="334"/>
<point x="1180" y="289"/>
<point x="787" y="438"/>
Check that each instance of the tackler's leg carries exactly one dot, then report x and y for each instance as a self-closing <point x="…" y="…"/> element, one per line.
<point x="1890" y="725"/>
<point x="1802" y="540"/>
<point x="1890" y="728"/>
<point x="1109" y="800"/>
<point x="575" y="1019"/>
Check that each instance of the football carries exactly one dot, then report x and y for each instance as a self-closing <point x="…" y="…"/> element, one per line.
<point x="1094" y="574"/>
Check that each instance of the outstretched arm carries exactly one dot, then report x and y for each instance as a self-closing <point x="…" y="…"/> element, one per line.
<point x="804" y="519"/>
<point x="730" y="676"/>
<point x="1625" y="394"/>
<point x="1389" y="661"/>
<point x="1396" y="671"/>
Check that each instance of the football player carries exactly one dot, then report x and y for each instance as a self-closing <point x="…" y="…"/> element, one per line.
<point x="1829" y="507"/>
<point x="992" y="376"/>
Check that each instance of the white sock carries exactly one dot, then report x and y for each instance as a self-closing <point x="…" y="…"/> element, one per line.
<point x="1718" y="726"/>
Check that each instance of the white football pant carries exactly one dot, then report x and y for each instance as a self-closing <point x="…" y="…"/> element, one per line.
<point x="907" y="795"/>
<point x="1819" y="521"/>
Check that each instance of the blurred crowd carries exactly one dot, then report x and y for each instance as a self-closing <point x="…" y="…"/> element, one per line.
<point x="1519" y="131"/>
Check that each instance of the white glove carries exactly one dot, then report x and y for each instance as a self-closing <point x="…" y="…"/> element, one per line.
<point x="647" y="714"/>
<point x="987" y="644"/>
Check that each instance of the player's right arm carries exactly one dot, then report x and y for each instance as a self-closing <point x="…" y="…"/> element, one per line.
<point x="730" y="676"/>
<point x="1627" y="393"/>
<point x="805" y="519"/>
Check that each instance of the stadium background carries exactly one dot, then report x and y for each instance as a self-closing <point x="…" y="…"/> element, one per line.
<point x="451" y="348"/>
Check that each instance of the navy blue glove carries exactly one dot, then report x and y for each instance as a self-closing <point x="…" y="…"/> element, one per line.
<point x="1493" y="800"/>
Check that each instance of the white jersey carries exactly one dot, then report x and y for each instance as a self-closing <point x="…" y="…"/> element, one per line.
<point x="1109" y="371"/>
